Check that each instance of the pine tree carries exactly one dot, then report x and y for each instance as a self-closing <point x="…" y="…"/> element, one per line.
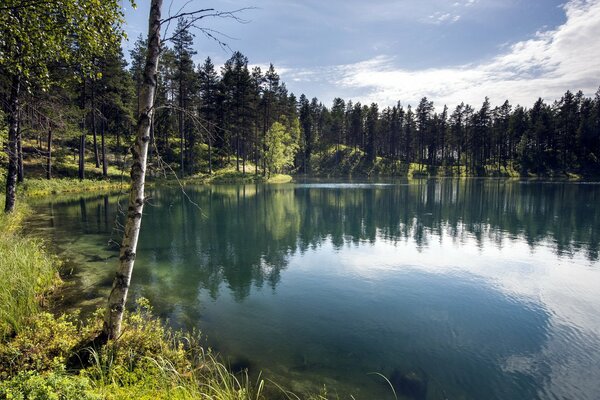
<point x="184" y="75"/>
<point x="372" y="125"/>
<point x="209" y="96"/>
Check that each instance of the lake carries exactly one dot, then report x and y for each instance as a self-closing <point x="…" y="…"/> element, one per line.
<point x="458" y="289"/>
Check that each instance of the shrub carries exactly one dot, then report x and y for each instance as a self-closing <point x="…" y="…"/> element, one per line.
<point x="50" y="386"/>
<point x="43" y="344"/>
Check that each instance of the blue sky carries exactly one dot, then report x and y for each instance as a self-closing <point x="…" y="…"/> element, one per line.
<point x="400" y="50"/>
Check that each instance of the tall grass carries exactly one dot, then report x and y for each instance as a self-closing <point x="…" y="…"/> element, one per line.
<point x="26" y="272"/>
<point x="162" y="380"/>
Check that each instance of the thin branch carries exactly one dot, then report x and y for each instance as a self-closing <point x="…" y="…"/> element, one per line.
<point x="195" y="18"/>
<point x="185" y="14"/>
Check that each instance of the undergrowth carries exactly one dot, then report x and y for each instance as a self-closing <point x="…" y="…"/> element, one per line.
<point x="55" y="358"/>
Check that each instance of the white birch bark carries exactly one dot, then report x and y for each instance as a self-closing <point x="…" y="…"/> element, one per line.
<point x="120" y="288"/>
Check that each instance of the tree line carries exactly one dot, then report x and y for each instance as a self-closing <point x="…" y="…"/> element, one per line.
<point x="241" y="114"/>
<point x="207" y="118"/>
<point x="559" y="137"/>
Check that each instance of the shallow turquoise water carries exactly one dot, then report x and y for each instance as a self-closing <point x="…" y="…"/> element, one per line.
<point x="470" y="289"/>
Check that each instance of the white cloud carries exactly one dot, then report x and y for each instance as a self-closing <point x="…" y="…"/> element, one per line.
<point x="546" y="65"/>
<point x="439" y="18"/>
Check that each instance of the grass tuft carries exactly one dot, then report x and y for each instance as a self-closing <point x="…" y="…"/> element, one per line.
<point x="27" y="271"/>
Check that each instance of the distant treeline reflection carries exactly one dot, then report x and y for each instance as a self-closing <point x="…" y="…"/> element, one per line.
<point x="243" y="235"/>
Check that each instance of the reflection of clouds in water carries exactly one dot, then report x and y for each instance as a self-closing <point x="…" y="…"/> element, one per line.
<point x="479" y="270"/>
<point x="567" y="288"/>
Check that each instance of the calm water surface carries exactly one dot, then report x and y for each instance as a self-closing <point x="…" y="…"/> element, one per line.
<point x="471" y="289"/>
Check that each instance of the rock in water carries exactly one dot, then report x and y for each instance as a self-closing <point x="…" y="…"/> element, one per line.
<point x="411" y="384"/>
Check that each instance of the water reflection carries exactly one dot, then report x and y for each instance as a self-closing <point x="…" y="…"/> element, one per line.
<point x="452" y="288"/>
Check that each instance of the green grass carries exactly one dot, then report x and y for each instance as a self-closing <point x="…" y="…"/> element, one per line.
<point x="280" y="178"/>
<point x="230" y="174"/>
<point x="44" y="187"/>
<point x="27" y="272"/>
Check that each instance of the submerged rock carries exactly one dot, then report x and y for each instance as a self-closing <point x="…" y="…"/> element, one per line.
<point x="412" y="385"/>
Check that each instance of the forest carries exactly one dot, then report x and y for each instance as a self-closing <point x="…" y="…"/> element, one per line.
<point x="209" y="117"/>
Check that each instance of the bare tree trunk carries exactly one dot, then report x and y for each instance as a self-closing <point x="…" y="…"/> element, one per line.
<point x="244" y="158"/>
<point x="209" y="154"/>
<point x="118" y="294"/>
<point x="94" y="129"/>
<point x="81" y="170"/>
<point x="82" y="155"/>
<point x="13" y="121"/>
<point x="256" y="149"/>
<point x="181" y="129"/>
<point x="49" y="156"/>
<point x="20" y="172"/>
<point x="103" y="149"/>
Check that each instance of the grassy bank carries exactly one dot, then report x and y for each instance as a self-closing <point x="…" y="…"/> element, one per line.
<point x="42" y="187"/>
<point x="38" y="187"/>
<point x="28" y="272"/>
<point x="230" y="174"/>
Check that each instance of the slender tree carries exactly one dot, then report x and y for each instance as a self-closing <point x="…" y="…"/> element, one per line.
<point x="120" y="288"/>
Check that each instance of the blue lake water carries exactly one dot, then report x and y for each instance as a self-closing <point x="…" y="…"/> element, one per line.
<point x="458" y="289"/>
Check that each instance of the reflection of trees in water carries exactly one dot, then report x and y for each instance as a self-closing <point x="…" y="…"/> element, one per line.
<point x="238" y="237"/>
<point x="242" y="236"/>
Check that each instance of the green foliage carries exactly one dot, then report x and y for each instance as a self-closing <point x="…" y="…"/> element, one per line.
<point x="149" y="361"/>
<point x="37" y="34"/>
<point x="55" y="385"/>
<point x="42" y="344"/>
<point x="144" y="337"/>
<point x="282" y="144"/>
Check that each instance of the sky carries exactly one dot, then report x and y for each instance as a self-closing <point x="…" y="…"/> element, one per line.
<point x="386" y="51"/>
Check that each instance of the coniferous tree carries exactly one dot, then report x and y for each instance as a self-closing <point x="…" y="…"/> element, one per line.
<point x="209" y="96"/>
<point x="184" y="77"/>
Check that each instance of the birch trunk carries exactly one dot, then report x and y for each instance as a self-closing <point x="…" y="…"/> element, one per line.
<point x="118" y="294"/>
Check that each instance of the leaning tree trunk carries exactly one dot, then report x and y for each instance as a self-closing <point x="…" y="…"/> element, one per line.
<point x="118" y="294"/>
<point x="13" y="122"/>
